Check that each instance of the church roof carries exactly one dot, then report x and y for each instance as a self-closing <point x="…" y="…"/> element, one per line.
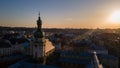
<point x="49" y="46"/>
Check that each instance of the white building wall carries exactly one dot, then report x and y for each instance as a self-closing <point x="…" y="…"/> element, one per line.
<point x="6" y="51"/>
<point x="39" y="50"/>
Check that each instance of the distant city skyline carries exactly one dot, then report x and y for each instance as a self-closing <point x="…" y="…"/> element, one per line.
<point x="59" y="13"/>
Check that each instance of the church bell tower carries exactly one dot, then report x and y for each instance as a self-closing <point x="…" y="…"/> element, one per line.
<point x="39" y="42"/>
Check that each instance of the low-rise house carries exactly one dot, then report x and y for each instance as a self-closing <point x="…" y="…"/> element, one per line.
<point x="109" y="61"/>
<point x="5" y="48"/>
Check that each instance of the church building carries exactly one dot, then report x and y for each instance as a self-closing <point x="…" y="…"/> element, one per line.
<point x="40" y="47"/>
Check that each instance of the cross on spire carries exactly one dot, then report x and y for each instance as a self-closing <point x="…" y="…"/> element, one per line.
<point x="39" y="14"/>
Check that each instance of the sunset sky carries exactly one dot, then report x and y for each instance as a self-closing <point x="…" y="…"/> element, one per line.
<point x="59" y="13"/>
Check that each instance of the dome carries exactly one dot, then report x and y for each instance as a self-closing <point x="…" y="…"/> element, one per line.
<point x="38" y="34"/>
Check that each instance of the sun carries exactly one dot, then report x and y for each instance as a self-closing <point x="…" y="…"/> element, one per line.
<point x="115" y="17"/>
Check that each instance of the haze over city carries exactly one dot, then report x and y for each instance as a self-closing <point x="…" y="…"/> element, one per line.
<point x="59" y="33"/>
<point x="61" y="13"/>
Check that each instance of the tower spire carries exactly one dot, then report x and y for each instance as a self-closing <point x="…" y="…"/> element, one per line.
<point x="38" y="33"/>
<point x="39" y="14"/>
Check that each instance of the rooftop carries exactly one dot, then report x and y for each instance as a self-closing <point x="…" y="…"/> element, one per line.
<point x="23" y="64"/>
<point x="85" y="54"/>
<point x="49" y="46"/>
<point x="4" y="43"/>
<point x="109" y="57"/>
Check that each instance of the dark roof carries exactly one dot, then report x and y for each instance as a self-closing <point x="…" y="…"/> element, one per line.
<point x="23" y="64"/>
<point x="4" y="43"/>
<point x="108" y="57"/>
<point x="81" y="43"/>
<point x="97" y="47"/>
<point x="7" y="36"/>
<point x="83" y="54"/>
<point x="20" y="40"/>
<point x="76" y="61"/>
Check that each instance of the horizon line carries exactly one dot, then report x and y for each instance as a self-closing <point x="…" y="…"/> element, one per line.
<point x="56" y="28"/>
